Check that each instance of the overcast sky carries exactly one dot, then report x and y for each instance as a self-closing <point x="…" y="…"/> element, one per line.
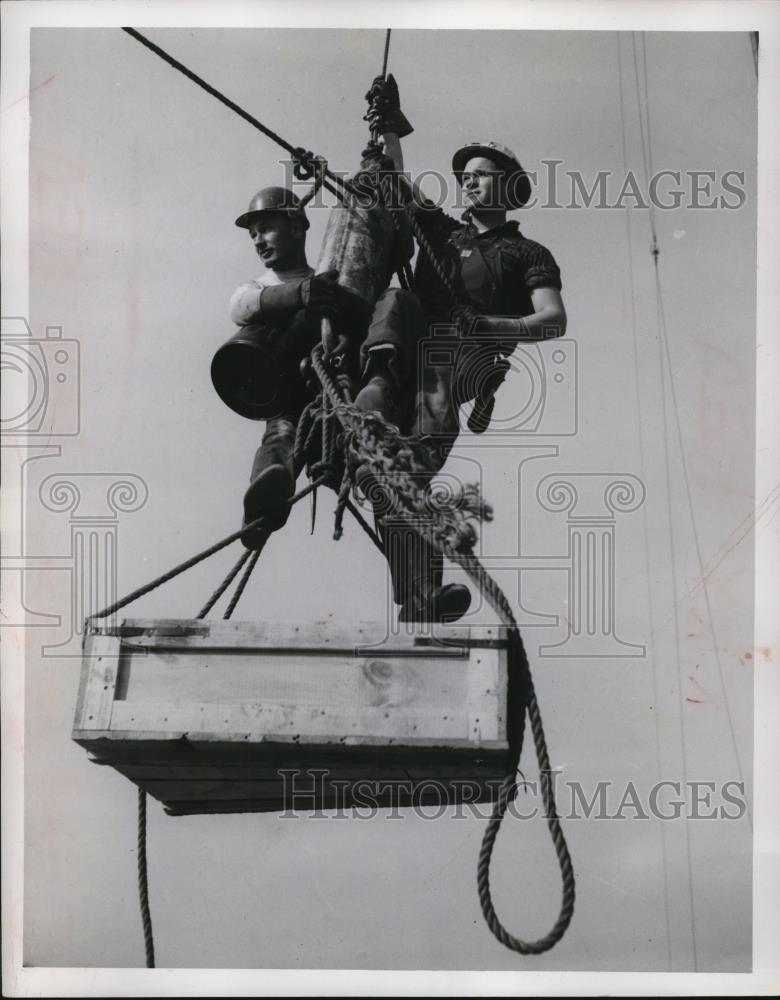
<point x="136" y="177"/>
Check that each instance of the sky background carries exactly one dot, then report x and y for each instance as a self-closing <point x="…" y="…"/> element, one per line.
<point x="136" y="177"/>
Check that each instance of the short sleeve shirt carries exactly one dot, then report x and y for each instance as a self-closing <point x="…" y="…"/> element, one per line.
<point x="495" y="271"/>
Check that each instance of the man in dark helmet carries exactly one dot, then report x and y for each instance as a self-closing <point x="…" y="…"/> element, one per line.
<point x="278" y="314"/>
<point x="508" y="290"/>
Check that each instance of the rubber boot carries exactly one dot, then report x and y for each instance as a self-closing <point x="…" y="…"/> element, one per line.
<point x="272" y="483"/>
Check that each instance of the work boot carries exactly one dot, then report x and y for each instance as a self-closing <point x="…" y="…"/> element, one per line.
<point x="441" y="605"/>
<point x="272" y="484"/>
<point x="380" y="393"/>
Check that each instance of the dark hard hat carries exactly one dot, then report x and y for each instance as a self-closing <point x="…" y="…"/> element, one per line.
<point x="272" y="199"/>
<point x="519" y="187"/>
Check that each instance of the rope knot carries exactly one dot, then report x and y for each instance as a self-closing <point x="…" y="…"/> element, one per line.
<point x="305" y="163"/>
<point x="326" y="473"/>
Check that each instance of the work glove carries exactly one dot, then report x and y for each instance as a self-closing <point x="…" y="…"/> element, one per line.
<point x="322" y="295"/>
<point x="319" y="295"/>
<point x="384" y="108"/>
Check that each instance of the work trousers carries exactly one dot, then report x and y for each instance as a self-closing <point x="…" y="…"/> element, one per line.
<point x="426" y="360"/>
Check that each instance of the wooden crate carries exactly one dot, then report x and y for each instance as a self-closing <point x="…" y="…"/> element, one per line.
<point x="218" y="716"/>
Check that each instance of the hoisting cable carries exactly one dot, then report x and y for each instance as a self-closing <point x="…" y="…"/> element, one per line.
<point x="303" y="159"/>
<point x="189" y="563"/>
<point x="224" y="585"/>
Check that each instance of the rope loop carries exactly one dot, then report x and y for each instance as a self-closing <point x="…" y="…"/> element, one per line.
<point x="305" y="163"/>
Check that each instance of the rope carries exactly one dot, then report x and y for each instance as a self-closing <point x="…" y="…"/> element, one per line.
<point x="341" y="505"/>
<point x="245" y="578"/>
<point x="298" y="153"/>
<point x="165" y="577"/>
<point x="189" y="563"/>
<point x="143" y="883"/>
<point x="223" y="586"/>
<point x="496" y="597"/>
<point x="365" y="525"/>
<point x="305" y="422"/>
<point x="451" y="539"/>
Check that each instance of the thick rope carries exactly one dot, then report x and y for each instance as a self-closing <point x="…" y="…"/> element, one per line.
<point x="298" y="154"/>
<point x="496" y="597"/>
<point x="143" y="882"/>
<point x="453" y="540"/>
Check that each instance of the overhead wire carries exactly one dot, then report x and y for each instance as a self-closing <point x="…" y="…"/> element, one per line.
<point x="643" y="471"/>
<point x="643" y="118"/>
<point x="666" y="363"/>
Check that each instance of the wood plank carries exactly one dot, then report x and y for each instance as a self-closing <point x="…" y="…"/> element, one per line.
<point x="309" y="777"/>
<point x="252" y="721"/>
<point x="196" y="753"/>
<point x="364" y="791"/>
<point x="420" y="798"/>
<point x="368" y="638"/>
<point x="99" y="671"/>
<point x="262" y="772"/>
<point x="302" y="679"/>
<point x="487" y="678"/>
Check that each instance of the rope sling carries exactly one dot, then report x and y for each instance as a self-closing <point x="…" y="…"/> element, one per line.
<point x="388" y="462"/>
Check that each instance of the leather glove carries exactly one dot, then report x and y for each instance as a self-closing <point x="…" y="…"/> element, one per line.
<point x="279" y="303"/>
<point x="384" y="107"/>
<point x="321" y="294"/>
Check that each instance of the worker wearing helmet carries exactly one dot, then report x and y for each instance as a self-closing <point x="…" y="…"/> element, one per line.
<point x="508" y="290"/>
<point x="278" y="314"/>
<point x="260" y="371"/>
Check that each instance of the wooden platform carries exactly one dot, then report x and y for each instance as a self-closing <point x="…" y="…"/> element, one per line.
<point x="223" y="716"/>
